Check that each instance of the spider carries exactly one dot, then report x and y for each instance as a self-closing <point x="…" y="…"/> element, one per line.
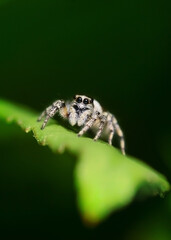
<point x="86" y="112"/>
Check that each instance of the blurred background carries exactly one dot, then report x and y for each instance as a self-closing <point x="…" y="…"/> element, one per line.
<point x="117" y="52"/>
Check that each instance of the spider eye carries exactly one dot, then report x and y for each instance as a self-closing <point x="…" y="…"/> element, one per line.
<point x="79" y="100"/>
<point x="85" y="101"/>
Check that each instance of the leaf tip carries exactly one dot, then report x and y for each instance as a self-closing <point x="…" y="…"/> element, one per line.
<point x="28" y="129"/>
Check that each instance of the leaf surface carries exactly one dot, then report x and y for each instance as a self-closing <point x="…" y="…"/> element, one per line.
<point x="105" y="179"/>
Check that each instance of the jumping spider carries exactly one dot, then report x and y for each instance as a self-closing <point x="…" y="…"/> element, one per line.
<point x="86" y="112"/>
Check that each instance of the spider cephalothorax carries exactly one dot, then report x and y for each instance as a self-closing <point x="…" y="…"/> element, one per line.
<point x="86" y="112"/>
<point x="80" y="110"/>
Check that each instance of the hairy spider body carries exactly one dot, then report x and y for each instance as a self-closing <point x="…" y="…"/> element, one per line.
<point x="86" y="112"/>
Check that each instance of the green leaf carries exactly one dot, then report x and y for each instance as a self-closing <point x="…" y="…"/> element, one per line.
<point x="105" y="179"/>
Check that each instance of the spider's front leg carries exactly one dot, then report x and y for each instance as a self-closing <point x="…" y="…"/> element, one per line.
<point x="50" y="111"/>
<point x="89" y="124"/>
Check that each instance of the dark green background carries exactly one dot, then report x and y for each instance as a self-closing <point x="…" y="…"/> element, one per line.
<point x="115" y="51"/>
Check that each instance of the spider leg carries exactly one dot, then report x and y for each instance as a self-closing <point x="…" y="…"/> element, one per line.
<point x="88" y="125"/>
<point x="120" y="134"/>
<point x="101" y="127"/>
<point x="111" y="129"/>
<point x="58" y="105"/>
<point x="45" y="122"/>
<point x="44" y="113"/>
